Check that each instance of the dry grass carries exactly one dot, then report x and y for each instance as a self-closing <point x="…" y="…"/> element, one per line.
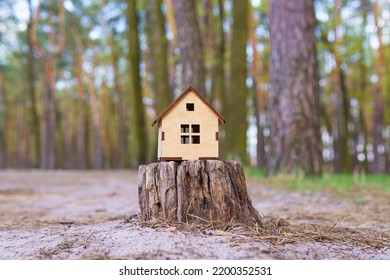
<point x="364" y="223"/>
<point x="279" y="231"/>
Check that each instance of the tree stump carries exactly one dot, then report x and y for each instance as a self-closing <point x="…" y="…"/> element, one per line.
<point x="195" y="191"/>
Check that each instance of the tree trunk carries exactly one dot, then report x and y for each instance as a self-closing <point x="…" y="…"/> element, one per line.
<point x="49" y="116"/>
<point x="159" y="55"/>
<point x="294" y="107"/>
<point x="55" y="47"/>
<point x="257" y="98"/>
<point x="65" y="116"/>
<point x="97" y="161"/>
<point x="173" y="44"/>
<point x="81" y="153"/>
<point x="4" y="156"/>
<point x="137" y="105"/>
<point x="377" y="131"/>
<point x="220" y="69"/>
<point x="209" y="40"/>
<point x="237" y="124"/>
<point x="212" y="39"/>
<point x="122" y="137"/>
<point x="159" y="59"/>
<point x="119" y="154"/>
<point x="340" y="144"/>
<point x="378" y="95"/>
<point x="195" y="191"/>
<point x="81" y="108"/>
<point x="340" y="102"/>
<point x="22" y="136"/>
<point x="363" y="98"/>
<point x="35" y="124"/>
<point x="190" y="45"/>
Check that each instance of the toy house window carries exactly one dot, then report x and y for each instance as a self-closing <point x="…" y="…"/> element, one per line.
<point x="190" y="106"/>
<point x="195" y="128"/>
<point x="188" y="135"/>
<point x="195" y="139"/>
<point x="185" y="139"/>
<point x="185" y="128"/>
<point x="162" y="136"/>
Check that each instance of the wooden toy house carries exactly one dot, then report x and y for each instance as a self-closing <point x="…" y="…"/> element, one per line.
<point x="188" y="128"/>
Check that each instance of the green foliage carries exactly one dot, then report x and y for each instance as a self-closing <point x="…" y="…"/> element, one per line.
<point x="253" y="172"/>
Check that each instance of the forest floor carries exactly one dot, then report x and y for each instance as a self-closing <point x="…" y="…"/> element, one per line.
<point x="85" y="215"/>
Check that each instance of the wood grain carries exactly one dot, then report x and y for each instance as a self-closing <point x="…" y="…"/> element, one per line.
<point x="195" y="191"/>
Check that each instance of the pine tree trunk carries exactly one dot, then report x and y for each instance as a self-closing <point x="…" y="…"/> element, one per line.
<point x="49" y="116"/>
<point x="294" y="108"/>
<point x="35" y="129"/>
<point x="81" y="151"/>
<point x="139" y="125"/>
<point x="363" y="86"/>
<point x="159" y="55"/>
<point x="190" y="45"/>
<point x="237" y="123"/>
<point x="22" y="136"/>
<point x="122" y="137"/>
<point x="97" y="161"/>
<point x="158" y="43"/>
<point x="4" y="157"/>
<point x="56" y="43"/>
<point x="377" y="131"/>
<point x="220" y="76"/>
<point x="257" y="94"/>
<point x="340" y="102"/>
<point x="195" y="191"/>
<point x="378" y="95"/>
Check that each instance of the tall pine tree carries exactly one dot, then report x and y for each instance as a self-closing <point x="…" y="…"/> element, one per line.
<point x="294" y="109"/>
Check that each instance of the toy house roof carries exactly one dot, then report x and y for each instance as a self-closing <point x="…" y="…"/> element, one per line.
<point x="184" y="93"/>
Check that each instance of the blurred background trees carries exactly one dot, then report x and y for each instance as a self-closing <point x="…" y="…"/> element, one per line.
<point x="303" y="85"/>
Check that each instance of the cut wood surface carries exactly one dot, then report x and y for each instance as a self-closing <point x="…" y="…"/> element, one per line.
<point x="195" y="191"/>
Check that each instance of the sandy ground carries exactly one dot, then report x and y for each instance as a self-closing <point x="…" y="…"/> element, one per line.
<point x="81" y="215"/>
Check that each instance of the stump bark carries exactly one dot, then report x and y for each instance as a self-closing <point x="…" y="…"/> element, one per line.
<point x="195" y="191"/>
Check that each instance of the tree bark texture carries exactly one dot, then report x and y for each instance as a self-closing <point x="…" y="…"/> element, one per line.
<point x="122" y="137"/>
<point x="378" y="95"/>
<point x="257" y="93"/>
<point x="56" y="43"/>
<point x="190" y="45"/>
<point x="118" y="156"/>
<point x="81" y="148"/>
<point x="4" y="157"/>
<point x="294" y="108"/>
<point x="158" y="43"/>
<point x="97" y="160"/>
<point x="219" y="81"/>
<point x="363" y="85"/>
<point x="35" y="124"/>
<point x="196" y="191"/>
<point x="49" y="116"/>
<point x="340" y="102"/>
<point x="159" y="55"/>
<point x="135" y="83"/>
<point x="237" y="124"/>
